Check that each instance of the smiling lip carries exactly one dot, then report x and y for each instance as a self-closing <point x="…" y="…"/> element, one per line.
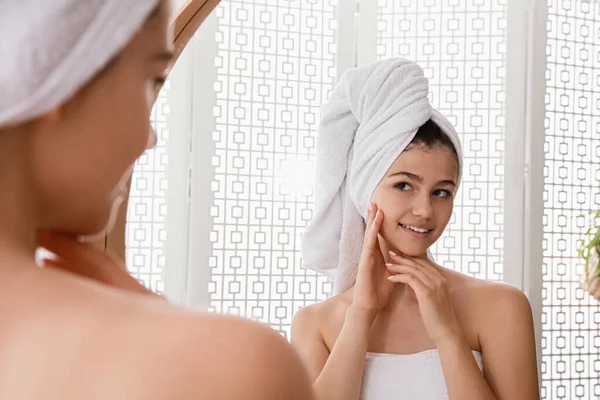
<point x="414" y="233"/>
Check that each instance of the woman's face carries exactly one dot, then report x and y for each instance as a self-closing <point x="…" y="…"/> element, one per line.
<point x="417" y="197"/>
<point x="84" y="154"/>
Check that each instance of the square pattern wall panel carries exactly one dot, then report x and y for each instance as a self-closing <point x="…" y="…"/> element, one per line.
<point x="147" y="208"/>
<point x="570" y="317"/>
<point x="275" y="67"/>
<point x="461" y="46"/>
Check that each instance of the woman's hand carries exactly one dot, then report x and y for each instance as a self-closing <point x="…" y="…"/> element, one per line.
<point x="86" y="261"/>
<point x="430" y="291"/>
<point x="372" y="290"/>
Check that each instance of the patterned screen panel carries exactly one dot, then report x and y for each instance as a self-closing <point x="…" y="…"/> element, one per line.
<point x="461" y="46"/>
<point x="570" y="317"/>
<point x="146" y="234"/>
<point x="275" y="66"/>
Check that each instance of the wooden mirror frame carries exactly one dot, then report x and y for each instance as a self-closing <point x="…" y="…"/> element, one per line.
<point x="187" y="21"/>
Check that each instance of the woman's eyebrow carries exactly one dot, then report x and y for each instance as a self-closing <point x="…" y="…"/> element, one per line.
<point x="414" y="177"/>
<point x="408" y="175"/>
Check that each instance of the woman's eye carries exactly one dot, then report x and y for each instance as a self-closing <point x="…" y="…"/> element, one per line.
<point x="441" y="193"/>
<point x="403" y="186"/>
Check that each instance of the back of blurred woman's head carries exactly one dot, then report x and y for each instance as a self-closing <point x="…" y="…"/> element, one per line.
<point x="78" y="81"/>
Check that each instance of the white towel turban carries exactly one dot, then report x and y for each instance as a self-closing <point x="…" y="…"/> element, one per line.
<point x="372" y="115"/>
<point x="49" y="49"/>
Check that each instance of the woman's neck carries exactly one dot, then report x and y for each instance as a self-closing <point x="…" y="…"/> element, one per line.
<point x="18" y="214"/>
<point x="17" y="233"/>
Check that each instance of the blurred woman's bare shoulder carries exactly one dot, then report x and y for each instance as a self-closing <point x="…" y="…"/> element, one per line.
<point x="232" y="357"/>
<point x="135" y="346"/>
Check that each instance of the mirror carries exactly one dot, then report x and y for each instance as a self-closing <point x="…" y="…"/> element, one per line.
<point x="261" y="61"/>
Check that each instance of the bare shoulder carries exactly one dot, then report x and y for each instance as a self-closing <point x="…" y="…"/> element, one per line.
<point x="501" y="318"/>
<point x="484" y="292"/>
<point x="214" y="356"/>
<point x="312" y="313"/>
<point x="487" y="308"/>
<point x="501" y="303"/>
<point x="314" y="331"/>
<point x="481" y="303"/>
<point x="142" y="347"/>
<point x="320" y="315"/>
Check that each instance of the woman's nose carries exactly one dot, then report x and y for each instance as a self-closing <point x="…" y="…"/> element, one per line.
<point x="422" y="207"/>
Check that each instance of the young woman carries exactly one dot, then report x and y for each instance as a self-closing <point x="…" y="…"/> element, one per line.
<point x="402" y="326"/>
<point x="78" y="79"/>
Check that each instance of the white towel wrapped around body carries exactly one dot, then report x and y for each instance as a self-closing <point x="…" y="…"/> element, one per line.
<point x="51" y="49"/>
<point x="372" y="115"/>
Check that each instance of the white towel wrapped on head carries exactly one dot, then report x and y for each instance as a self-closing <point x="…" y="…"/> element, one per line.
<point x="373" y="114"/>
<point x="50" y="49"/>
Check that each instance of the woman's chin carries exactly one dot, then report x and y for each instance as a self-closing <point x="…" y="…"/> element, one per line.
<point x="92" y="238"/>
<point x="114" y="211"/>
<point x="103" y="224"/>
<point x="94" y="233"/>
<point x="411" y="249"/>
<point x="410" y="246"/>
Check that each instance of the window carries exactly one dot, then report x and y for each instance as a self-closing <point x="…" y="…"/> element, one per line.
<point x="570" y="317"/>
<point x="275" y="67"/>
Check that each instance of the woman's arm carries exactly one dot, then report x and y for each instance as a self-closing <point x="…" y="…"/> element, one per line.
<point x="508" y="343"/>
<point x="337" y="375"/>
<point x="464" y="379"/>
<point x="508" y="346"/>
